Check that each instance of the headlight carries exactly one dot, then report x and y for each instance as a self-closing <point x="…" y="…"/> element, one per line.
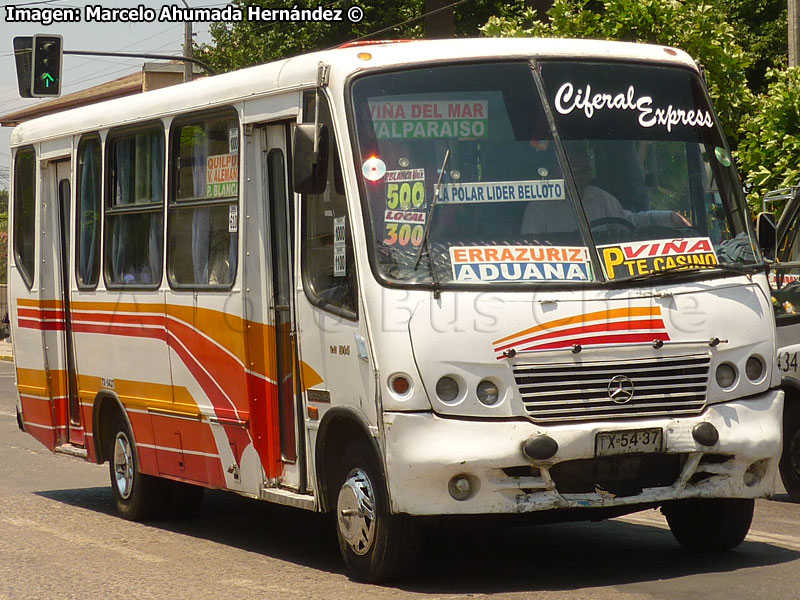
<point x="447" y="389"/>
<point x="754" y="368"/>
<point x="488" y="393"/>
<point x="726" y="375"/>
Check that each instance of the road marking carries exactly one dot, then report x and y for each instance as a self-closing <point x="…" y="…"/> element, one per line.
<point x="790" y="542"/>
<point x="7" y="414"/>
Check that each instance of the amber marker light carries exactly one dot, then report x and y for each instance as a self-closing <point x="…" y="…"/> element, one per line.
<point x="364" y="56"/>
<point x="400" y="385"/>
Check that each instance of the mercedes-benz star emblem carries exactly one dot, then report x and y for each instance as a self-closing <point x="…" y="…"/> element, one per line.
<point x="620" y="389"/>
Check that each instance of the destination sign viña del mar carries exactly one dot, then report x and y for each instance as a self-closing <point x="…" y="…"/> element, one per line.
<point x="430" y="119"/>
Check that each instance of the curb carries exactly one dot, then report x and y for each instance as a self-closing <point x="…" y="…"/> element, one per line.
<point x="7" y="357"/>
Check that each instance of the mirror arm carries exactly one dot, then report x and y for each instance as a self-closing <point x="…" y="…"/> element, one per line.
<point x="323" y="76"/>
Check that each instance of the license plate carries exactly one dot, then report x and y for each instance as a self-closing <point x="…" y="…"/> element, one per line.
<point x="631" y="441"/>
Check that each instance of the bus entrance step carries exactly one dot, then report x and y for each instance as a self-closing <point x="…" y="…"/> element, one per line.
<point x="72" y="450"/>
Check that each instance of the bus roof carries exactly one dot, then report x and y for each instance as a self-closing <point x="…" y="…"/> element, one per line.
<point x="301" y="72"/>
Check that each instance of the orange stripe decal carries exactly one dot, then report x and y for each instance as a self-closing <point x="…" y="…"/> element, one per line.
<point x="614" y="313"/>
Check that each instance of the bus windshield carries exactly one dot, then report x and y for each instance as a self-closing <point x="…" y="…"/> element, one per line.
<point x="464" y="182"/>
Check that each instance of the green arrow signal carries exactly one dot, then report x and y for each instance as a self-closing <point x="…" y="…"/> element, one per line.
<point x="48" y="79"/>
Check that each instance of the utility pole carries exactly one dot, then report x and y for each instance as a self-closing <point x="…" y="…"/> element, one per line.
<point x="794" y="33"/>
<point x="188" y="41"/>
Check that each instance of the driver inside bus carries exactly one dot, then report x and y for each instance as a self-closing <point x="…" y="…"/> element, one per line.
<point x="557" y="216"/>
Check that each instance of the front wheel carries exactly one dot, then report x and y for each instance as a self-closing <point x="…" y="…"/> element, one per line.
<point x="375" y="544"/>
<point x="137" y="497"/>
<point x="710" y="524"/>
<point x="790" y="459"/>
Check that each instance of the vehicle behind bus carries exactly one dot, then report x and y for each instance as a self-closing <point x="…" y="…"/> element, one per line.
<point x="784" y="275"/>
<point x="403" y="280"/>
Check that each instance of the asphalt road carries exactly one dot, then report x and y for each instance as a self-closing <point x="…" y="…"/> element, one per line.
<point x="60" y="538"/>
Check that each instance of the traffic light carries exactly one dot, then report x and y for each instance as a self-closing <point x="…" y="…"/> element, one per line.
<point x="46" y="68"/>
<point x="22" y="55"/>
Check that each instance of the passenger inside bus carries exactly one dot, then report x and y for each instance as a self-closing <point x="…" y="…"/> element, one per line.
<point x="602" y="209"/>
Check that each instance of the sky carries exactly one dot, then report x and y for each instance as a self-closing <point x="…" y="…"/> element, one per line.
<point x="80" y="72"/>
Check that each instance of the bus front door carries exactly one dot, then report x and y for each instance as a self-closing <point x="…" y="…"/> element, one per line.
<point x="55" y="304"/>
<point x="276" y="430"/>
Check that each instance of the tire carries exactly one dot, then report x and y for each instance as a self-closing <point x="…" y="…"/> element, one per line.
<point x="710" y="525"/>
<point x="137" y="497"/>
<point x="376" y="546"/>
<point x="790" y="458"/>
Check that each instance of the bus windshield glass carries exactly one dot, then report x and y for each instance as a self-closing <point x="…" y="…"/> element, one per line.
<point x="464" y="182"/>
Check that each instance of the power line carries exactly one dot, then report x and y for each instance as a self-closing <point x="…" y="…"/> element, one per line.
<point x="406" y="22"/>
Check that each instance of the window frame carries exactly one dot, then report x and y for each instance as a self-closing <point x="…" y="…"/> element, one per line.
<point x="94" y="135"/>
<point x="172" y="204"/>
<point x="108" y="210"/>
<point x="27" y="277"/>
<point x="308" y="286"/>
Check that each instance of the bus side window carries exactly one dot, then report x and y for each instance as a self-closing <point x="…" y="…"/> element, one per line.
<point x="89" y="211"/>
<point x="25" y="213"/>
<point x="328" y="260"/>
<point x="134" y="211"/>
<point x="203" y="215"/>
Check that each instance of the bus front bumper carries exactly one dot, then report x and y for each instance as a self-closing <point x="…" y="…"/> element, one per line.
<point x="440" y="466"/>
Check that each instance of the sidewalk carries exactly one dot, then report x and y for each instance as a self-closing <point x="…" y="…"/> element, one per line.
<point x="6" y="352"/>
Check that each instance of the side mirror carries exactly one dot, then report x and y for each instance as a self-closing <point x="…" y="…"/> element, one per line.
<point x="767" y="232"/>
<point x="310" y="170"/>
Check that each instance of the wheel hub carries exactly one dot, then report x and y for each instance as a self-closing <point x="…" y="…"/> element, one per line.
<point x="123" y="465"/>
<point x="355" y="511"/>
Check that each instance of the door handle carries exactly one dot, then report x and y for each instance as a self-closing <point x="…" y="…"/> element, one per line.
<point x="361" y="346"/>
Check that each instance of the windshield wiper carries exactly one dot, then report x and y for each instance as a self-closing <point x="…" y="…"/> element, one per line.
<point x="739" y="269"/>
<point x="425" y="245"/>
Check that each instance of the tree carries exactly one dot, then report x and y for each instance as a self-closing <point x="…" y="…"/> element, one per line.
<point x="440" y="22"/>
<point x="761" y="29"/>
<point x="769" y="152"/>
<point x="692" y="25"/>
<point x="245" y="43"/>
<point x="242" y="44"/>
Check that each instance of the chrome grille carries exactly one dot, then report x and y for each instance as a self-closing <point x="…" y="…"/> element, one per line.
<point x="673" y="386"/>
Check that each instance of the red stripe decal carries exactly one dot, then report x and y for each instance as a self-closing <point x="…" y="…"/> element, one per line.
<point x="603" y="339"/>
<point x="657" y="325"/>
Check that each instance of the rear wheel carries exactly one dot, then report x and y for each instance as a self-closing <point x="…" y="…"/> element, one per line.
<point x="137" y="497"/>
<point x="710" y="524"/>
<point x="790" y="459"/>
<point x="375" y="544"/>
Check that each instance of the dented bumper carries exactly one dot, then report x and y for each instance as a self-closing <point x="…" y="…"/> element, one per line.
<point x="425" y="452"/>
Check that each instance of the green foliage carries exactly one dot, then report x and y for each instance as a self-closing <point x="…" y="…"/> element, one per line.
<point x="242" y="44"/>
<point x="769" y="152"/>
<point x="692" y="25"/>
<point x="246" y="43"/>
<point x="761" y="28"/>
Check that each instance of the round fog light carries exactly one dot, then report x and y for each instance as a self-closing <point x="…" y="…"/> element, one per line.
<point x="754" y="368"/>
<point x="705" y="433"/>
<point x="447" y="389"/>
<point x="488" y="393"/>
<point x="540" y="447"/>
<point x="726" y="375"/>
